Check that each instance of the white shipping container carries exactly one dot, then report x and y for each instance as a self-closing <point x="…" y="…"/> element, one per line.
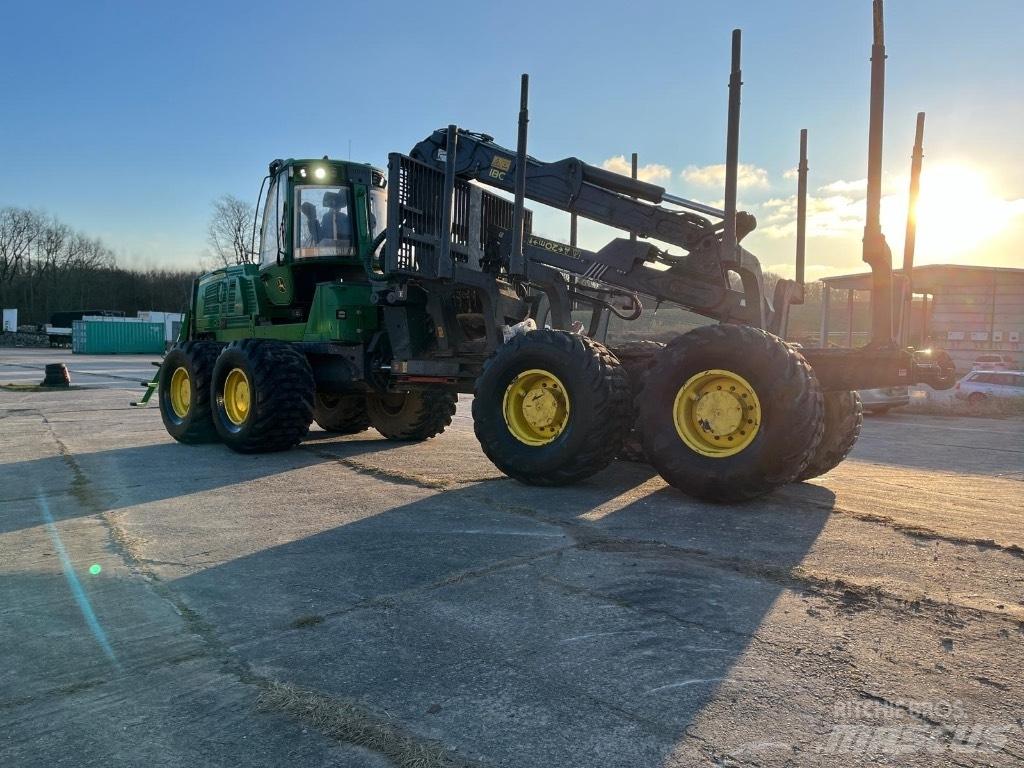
<point x="170" y="320"/>
<point x="10" y="320"/>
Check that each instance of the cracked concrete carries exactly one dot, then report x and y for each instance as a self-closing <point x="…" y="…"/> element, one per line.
<point x="357" y="602"/>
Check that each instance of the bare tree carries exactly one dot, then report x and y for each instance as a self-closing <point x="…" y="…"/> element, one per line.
<point x="18" y="230"/>
<point x="230" y="230"/>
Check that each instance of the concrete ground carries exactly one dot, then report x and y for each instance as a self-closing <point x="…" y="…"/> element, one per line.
<point x="357" y="602"/>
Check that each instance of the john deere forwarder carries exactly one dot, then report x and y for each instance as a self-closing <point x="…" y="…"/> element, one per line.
<point x="378" y="297"/>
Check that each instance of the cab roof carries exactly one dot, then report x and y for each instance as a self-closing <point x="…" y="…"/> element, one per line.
<point x="342" y="171"/>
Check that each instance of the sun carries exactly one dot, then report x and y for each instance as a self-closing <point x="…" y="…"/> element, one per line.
<point x="957" y="212"/>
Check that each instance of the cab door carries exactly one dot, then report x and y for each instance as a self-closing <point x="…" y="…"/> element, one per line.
<point x="275" y="274"/>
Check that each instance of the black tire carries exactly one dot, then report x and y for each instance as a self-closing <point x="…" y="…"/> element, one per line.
<point x="197" y="358"/>
<point x="636" y="358"/>
<point x="56" y="375"/>
<point x="844" y="417"/>
<point x="411" y="416"/>
<point x="281" y="388"/>
<point x="789" y="426"/>
<point x="598" y="418"/>
<point x="976" y="398"/>
<point x="343" y="414"/>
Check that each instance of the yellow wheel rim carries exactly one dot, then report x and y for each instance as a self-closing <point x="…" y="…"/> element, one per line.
<point x="181" y="392"/>
<point x="237" y="397"/>
<point x="717" y="413"/>
<point x="536" y="407"/>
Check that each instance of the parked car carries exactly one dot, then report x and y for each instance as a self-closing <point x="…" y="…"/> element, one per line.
<point x="977" y="386"/>
<point x="880" y="400"/>
<point x="992" y="363"/>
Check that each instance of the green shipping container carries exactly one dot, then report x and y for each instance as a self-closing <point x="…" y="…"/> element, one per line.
<point x="97" y="337"/>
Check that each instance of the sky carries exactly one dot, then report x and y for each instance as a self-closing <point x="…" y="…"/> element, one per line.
<point x="127" y="119"/>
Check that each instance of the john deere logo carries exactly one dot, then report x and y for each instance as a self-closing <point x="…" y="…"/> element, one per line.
<point x="281" y="285"/>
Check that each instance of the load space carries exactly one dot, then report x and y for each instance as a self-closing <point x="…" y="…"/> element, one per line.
<point x="381" y="295"/>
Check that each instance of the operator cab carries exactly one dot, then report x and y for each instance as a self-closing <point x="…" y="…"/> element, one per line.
<point x="319" y="211"/>
<point x="319" y="220"/>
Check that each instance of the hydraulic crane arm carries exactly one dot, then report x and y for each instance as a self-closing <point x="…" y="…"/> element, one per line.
<point x="574" y="186"/>
<point x="697" y="280"/>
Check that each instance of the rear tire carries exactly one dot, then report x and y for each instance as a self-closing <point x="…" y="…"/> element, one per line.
<point x="746" y="447"/>
<point x="636" y="358"/>
<point x="412" y="416"/>
<point x="588" y="416"/>
<point x="262" y="396"/>
<point x="186" y="372"/>
<point x="342" y="414"/>
<point x="844" y="417"/>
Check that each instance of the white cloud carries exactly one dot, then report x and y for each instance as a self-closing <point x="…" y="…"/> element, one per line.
<point x="790" y="174"/>
<point x="652" y="172"/>
<point x="827" y="216"/>
<point x="748" y="177"/>
<point x="841" y="186"/>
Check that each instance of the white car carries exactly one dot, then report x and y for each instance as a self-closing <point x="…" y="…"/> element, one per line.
<point x="992" y="363"/>
<point x="977" y="386"/>
<point x="879" y="401"/>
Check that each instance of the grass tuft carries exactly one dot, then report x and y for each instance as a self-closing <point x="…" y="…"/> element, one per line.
<point x="350" y="723"/>
<point x="992" y="408"/>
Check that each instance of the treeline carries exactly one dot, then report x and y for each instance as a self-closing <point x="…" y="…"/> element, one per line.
<point x="46" y="267"/>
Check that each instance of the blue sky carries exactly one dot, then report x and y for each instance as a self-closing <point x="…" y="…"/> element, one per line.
<point x="128" y="119"/>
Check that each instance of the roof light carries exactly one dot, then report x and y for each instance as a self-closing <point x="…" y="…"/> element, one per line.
<point x="319" y="173"/>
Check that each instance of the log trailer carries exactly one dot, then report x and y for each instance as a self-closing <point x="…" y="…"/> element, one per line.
<point x="380" y="296"/>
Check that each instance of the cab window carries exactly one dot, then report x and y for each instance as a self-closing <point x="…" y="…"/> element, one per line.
<point x="323" y="224"/>
<point x="273" y="220"/>
<point x="378" y="212"/>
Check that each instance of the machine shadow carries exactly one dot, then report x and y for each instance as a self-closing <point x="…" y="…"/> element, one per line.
<point x="81" y="484"/>
<point x="517" y="625"/>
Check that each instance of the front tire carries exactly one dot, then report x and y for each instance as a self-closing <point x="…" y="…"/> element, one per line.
<point x="411" y="416"/>
<point x="183" y="391"/>
<point x="263" y="396"/>
<point x="730" y="412"/>
<point x="551" y="407"/>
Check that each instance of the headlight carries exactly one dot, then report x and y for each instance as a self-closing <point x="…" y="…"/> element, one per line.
<point x="320" y="173"/>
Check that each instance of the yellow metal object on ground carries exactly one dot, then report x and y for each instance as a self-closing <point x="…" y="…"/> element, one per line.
<point x="180" y="392"/>
<point x="717" y="413"/>
<point x="237" y="396"/>
<point x="536" y="407"/>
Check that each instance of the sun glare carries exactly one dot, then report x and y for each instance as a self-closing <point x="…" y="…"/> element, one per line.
<point x="956" y="212"/>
